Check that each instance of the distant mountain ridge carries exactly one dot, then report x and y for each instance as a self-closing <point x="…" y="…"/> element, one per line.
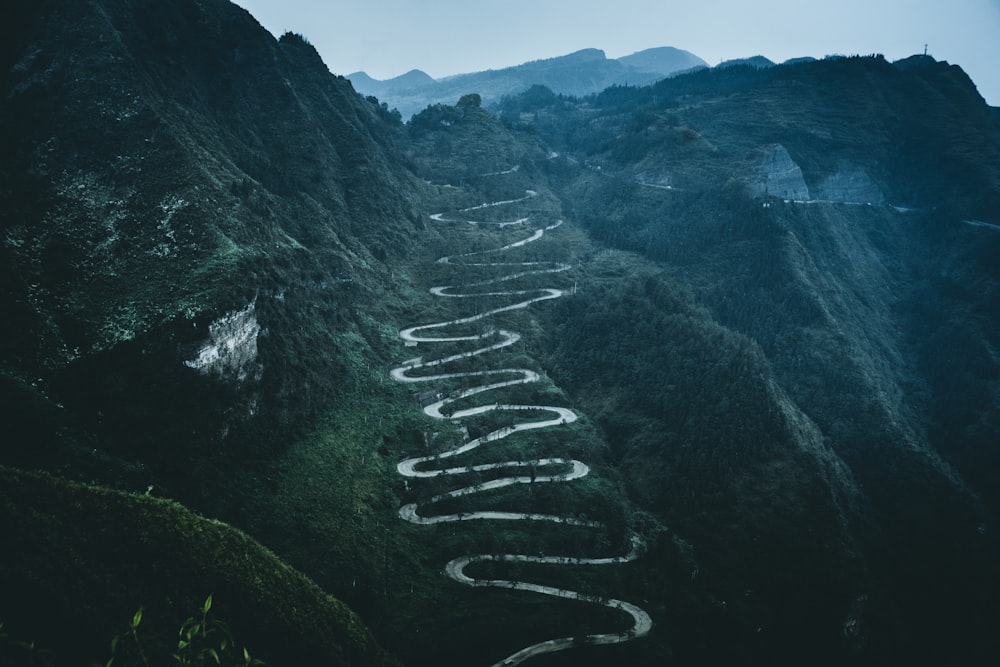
<point x="579" y="73"/>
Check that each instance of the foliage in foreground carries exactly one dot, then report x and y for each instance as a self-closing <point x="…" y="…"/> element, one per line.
<point x="79" y="557"/>
<point x="203" y="641"/>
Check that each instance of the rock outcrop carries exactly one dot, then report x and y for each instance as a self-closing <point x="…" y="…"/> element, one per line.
<point x="775" y="174"/>
<point x="850" y="185"/>
<point x="231" y="348"/>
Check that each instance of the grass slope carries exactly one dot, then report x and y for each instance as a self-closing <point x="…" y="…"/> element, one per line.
<point x="79" y="560"/>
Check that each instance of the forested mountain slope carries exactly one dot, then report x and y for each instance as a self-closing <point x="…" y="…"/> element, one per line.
<point x="184" y="192"/>
<point x="72" y="582"/>
<point x="194" y="217"/>
<point x="742" y="325"/>
<point x="836" y="216"/>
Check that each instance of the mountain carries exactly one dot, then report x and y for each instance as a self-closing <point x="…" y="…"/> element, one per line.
<point x="806" y="210"/>
<point x="193" y="215"/>
<point x="662" y="61"/>
<point x="579" y="73"/>
<point x="412" y="82"/>
<point x="699" y="372"/>
<point x="262" y="209"/>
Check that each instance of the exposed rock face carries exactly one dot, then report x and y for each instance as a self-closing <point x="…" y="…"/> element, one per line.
<point x="850" y="185"/>
<point x="231" y="348"/>
<point x="775" y="174"/>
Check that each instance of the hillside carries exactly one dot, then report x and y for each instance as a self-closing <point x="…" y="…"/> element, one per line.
<point x="808" y="210"/>
<point x="111" y="547"/>
<point x="194" y="218"/>
<point x="701" y="372"/>
<point x="181" y="198"/>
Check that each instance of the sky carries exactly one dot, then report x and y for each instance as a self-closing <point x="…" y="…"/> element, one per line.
<point x="386" y="38"/>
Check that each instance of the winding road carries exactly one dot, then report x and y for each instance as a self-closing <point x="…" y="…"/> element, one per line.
<point x="557" y="470"/>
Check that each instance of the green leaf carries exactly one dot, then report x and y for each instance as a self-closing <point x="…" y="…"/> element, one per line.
<point x="208" y="604"/>
<point x="215" y="656"/>
<point x="137" y="618"/>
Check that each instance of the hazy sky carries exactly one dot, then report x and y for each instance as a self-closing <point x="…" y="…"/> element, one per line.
<point x="390" y="37"/>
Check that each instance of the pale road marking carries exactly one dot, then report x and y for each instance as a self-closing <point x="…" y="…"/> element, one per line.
<point x="980" y="223"/>
<point x="512" y="170"/>
<point x="540" y="471"/>
<point x="641" y="622"/>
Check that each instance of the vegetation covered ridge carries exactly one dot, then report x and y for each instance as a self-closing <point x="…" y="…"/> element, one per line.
<point x="79" y="560"/>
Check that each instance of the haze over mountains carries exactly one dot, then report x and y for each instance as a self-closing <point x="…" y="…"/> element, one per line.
<point x="698" y="372"/>
<point x="581" y="73"/>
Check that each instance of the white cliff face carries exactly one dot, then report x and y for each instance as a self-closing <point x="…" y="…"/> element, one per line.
<point x="850" y="185"/>
<point x="231" y="348"/>
<point x="775" y="174"/>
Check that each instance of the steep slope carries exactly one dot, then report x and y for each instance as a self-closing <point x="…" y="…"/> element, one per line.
<point x="208" y="243"/>
<point x="183" y="193"/>
<point x="520" y="505"/>
<point x="725" y="473"/>
<point x="773" y="351"/>
<point x="822" y="210"/>
<point x="195" y="222"/>
<point x="80" y="560"/>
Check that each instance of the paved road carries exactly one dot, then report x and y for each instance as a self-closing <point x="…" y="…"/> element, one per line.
<point x="534" y="471"/>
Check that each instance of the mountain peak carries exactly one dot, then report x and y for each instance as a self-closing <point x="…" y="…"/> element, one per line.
<point x="411" y="78"/>
<point x="585" y="54"/>
<point x="414" y="77"/>
<point x="360" y="78"/>
<point x="757" y="62"/>
<point x="664" y="60"/>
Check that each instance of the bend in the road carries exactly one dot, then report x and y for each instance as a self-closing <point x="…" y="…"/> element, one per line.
<point x="554" y="469"/>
